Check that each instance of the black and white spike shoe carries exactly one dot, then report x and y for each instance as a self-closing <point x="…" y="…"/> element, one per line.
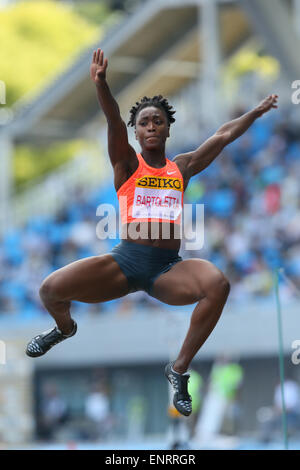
<point x="41" y="344"/>
<point x="181" y="400"/>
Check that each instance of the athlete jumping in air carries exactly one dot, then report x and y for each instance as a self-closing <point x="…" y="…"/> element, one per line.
<point x="150" y="190"/>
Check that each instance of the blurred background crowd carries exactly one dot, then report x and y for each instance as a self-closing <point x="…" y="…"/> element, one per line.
<point x="251" y="209"/>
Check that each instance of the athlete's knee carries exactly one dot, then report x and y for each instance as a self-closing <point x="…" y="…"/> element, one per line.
<point x="218" y="285"/>
<point x="225" y="285"/>
<point x="222" y="284"/>
<point x="49" y="290"/>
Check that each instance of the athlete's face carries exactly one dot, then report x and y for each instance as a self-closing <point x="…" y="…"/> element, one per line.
<point x="151" y="129"/>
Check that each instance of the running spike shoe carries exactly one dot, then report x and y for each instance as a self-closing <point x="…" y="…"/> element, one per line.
<point x="181" y="400"/>
<point x="41" y="344"/>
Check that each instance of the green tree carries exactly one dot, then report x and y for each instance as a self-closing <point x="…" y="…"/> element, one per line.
<point x="32" y="162"/>
<point x="39" y="39"/>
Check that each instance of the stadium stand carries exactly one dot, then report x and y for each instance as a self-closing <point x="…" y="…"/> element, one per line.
<point x="251" y="200"/>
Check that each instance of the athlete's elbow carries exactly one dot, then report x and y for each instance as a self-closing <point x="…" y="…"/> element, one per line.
<point x="224" y="138"/>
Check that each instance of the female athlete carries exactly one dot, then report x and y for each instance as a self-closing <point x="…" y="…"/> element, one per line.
<point x="150" y="190"/>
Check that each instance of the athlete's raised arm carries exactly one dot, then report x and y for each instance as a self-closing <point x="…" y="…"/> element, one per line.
<point x="120" y="152"/>
<point x="192" y="163"/>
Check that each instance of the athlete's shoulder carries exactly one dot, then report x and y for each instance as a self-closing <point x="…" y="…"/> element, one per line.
<point x="177" y="164"/>
<point x="181" y="159"/>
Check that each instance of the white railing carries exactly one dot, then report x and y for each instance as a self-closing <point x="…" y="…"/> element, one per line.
<point x="86" y="171"/>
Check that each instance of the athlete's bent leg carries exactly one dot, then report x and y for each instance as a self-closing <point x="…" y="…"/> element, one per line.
<point x="187" y="282"/>
<point x="90" y="280"/>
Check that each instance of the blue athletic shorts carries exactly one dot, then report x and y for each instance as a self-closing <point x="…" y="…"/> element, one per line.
<point x="142" y="264"/>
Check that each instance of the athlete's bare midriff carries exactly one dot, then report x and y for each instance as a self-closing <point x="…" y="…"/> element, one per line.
<point x="157" y="234"/>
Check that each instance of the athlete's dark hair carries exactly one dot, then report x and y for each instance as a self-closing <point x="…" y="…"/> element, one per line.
<point x="157" y="101"/>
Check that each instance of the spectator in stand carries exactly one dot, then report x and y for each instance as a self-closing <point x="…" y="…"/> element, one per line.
<point x="254" y="181"/>
<point x="272" y="422"/>
<point x="53" y="412"/>
<point x="97" y="411"/>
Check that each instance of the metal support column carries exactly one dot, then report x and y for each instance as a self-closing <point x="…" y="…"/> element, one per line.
<point x="209" y="52"/>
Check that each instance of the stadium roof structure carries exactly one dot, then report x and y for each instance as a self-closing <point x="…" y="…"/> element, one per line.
<point x="154" y="50"/>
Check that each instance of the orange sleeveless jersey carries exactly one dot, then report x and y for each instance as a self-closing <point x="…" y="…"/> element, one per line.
<point x="154" y="194"/>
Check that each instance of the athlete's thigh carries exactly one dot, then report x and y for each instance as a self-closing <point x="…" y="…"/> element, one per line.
<point x="92" y="280"/>
<point x="186" y="282"/>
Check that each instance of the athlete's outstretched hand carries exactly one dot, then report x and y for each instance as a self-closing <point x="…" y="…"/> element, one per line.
<point x="265" y="105"/>
<point x="98" y="67"/>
